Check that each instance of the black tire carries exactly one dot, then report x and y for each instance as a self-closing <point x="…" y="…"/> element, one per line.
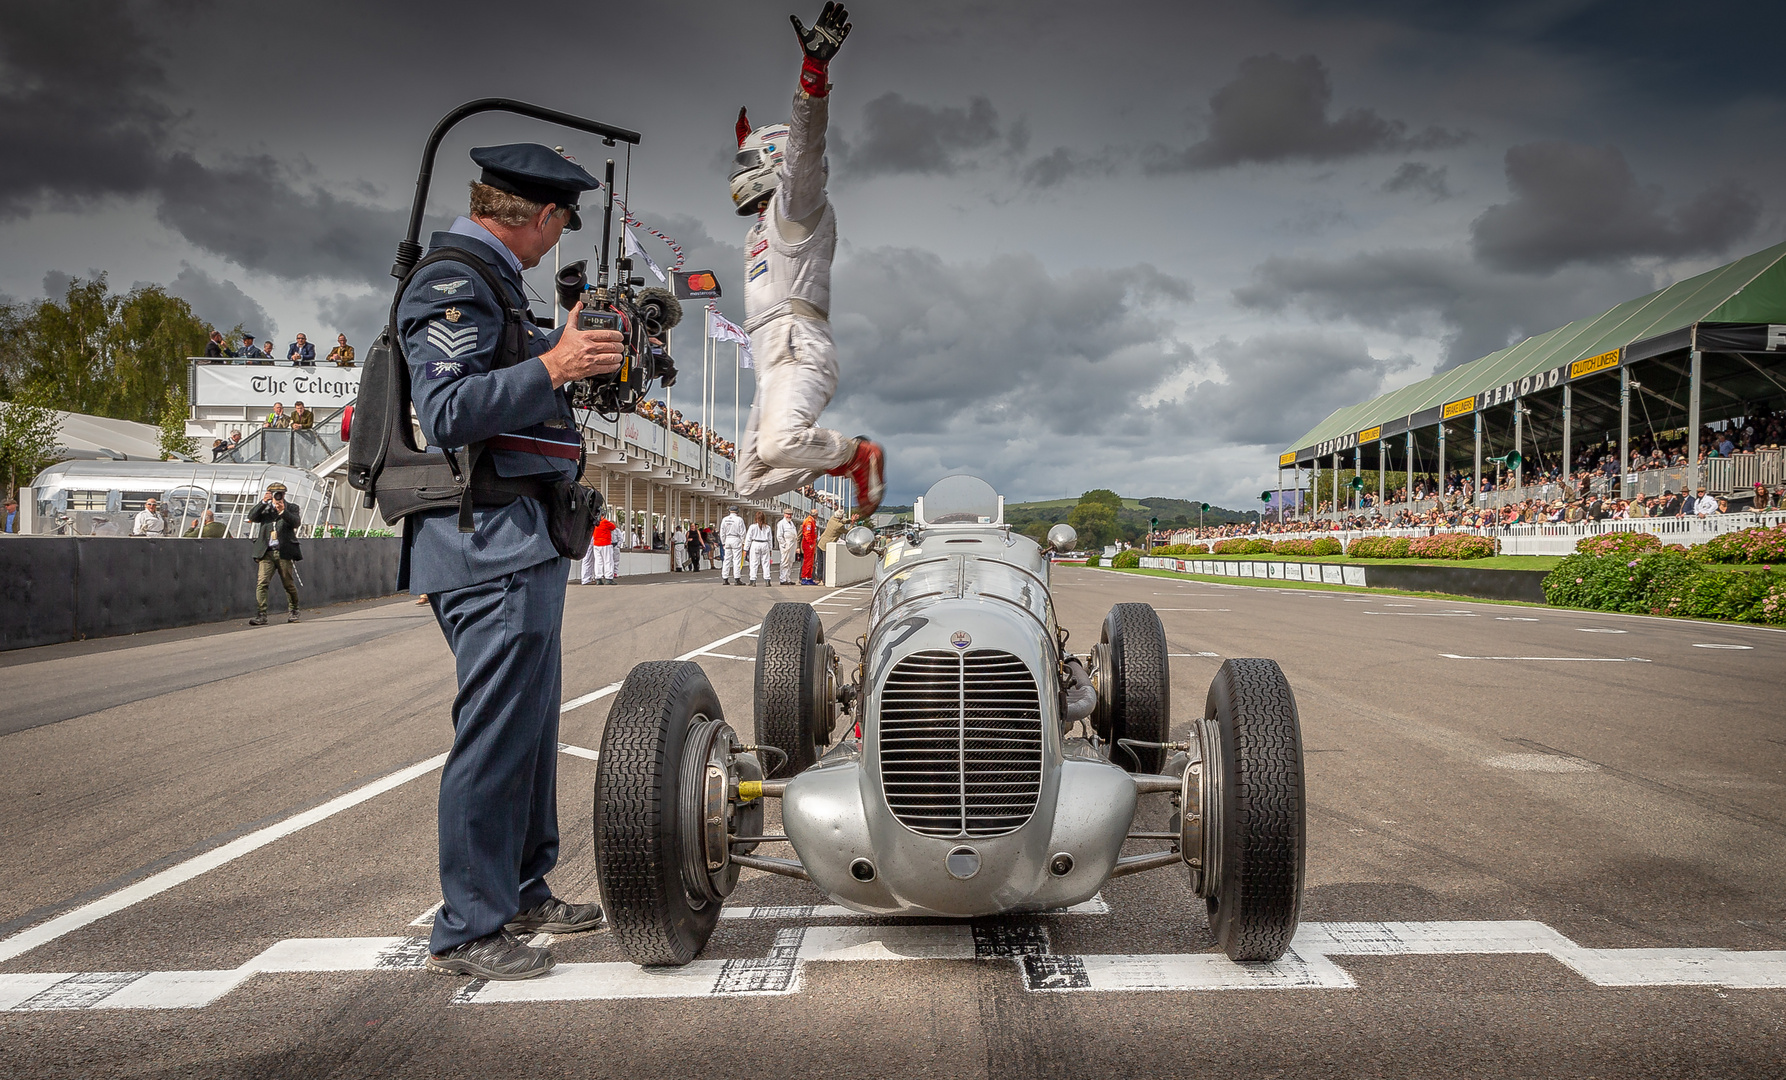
<point x="1134" y="686"/>
<point x="794" y="711"/>
<point x="1263" y="830"/>
<point x="639" y="780"/>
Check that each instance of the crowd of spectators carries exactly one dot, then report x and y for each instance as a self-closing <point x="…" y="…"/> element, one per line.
<point x="300" y="352"/>
<point x="688" y="429"/>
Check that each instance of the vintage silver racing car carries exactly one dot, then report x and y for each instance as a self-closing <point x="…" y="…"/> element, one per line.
<point x="965" y="765"/>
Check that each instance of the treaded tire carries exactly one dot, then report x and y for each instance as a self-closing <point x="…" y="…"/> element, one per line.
<point x="638" y="842"/>
<point x="792" y="711"/>
<point x="1135" y="686"/>
<point x="1254" y="908"/>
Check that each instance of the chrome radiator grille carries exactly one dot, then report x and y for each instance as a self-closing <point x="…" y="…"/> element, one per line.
<point x="961" y="743"/>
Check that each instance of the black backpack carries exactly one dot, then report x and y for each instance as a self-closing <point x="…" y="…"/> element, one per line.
<point x="402" y="478"/>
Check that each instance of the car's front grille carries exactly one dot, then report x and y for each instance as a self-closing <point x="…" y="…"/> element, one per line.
<point x="961" y="743"/>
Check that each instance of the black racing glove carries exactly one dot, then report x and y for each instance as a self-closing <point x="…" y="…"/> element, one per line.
<point x="820" y="44"/>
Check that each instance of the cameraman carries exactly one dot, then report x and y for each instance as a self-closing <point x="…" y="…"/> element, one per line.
<point x="497" y="590"/>
<point x="275" y="549"/>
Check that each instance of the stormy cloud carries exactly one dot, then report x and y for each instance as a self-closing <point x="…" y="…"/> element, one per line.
<point x="1584" y="204"/>
<point x="901" y="136"/>
<point x="1276" y="110"/>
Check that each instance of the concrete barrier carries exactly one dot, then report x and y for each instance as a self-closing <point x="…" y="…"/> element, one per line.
<point x="1460" y="580"/>
<point x="64" y="588"/>
<point x="842" y="568"/>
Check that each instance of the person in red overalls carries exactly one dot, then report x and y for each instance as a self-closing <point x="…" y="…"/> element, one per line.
<point x="809" y="546"/>
<point x="598" y="561"/>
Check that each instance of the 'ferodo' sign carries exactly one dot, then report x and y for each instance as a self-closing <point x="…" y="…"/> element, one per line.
<point x="260" y="387"/>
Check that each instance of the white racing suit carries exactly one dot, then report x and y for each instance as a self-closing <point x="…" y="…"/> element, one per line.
<point x="731" y="537"/>
<point x="756" y="543"/>
<point x="787" y="306"/>
<point x="787" y="538"/>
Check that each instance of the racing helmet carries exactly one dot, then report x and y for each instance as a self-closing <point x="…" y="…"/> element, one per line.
<point x="757" y="168"/>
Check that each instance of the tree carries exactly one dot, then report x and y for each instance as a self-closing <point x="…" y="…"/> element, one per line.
<point x="1095" y="522"/>
<point x="27" y="440"/>
<point x="174" y="440"/>
<point x="96" y="352"/>
<point x="1105" y="496"/>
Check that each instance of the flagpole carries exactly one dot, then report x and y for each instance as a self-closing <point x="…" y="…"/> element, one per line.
<point x="706" y="374"/>
<point x="737" y="379"/>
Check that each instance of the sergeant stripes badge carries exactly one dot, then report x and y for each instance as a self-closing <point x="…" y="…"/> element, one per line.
<point x="453" y="341"/>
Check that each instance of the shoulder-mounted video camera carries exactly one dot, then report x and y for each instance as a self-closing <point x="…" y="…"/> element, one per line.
<point x="642" y="316"/>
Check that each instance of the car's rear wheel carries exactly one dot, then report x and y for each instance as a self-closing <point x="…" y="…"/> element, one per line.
<point x="1134" y="686"/>
<point x="648" y="782"/>
<point x="1252" y="806"/>
<point x="796" y="694"/>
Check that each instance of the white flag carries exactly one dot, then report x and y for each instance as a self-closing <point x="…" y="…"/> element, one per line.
<point x="633" y="248"/>
<point x="720" y="328"/>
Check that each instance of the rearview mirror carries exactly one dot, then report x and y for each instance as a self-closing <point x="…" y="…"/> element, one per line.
<point x="1063" y="537"/>
<point x="859" y="540"/>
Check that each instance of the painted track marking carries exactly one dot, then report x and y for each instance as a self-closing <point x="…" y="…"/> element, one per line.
<point x="1574" y="659"/>
<point x="43" y="933"/>
<point x="1308" y="965"/>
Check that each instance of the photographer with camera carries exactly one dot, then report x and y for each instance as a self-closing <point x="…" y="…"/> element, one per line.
<point x="481" y="374"/>
<point x="275" y="550"/>
<point x="779" y="177"/>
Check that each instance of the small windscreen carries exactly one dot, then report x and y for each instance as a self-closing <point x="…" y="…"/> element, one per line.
<point x="961" y="500"/>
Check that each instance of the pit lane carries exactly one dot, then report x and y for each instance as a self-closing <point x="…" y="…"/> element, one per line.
<point x="1533" y="850"/>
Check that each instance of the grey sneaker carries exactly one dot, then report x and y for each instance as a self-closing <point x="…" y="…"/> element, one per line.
<point x="501" y="956"/>
<point x="293" y="616"/>
<point x="258" y="620"/>
<point x="557" y="917"/>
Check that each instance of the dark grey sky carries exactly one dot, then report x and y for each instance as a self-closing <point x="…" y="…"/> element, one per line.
<point x="1127" y="245"/>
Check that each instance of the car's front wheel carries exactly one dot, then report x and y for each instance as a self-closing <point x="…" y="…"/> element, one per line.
<point x="1134" y="686"/>
<point x="1251" y="808"/>
<point x="665" y="735"/>
<point x="796" y="694"/>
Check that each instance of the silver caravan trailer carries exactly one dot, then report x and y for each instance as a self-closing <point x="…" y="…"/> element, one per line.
<point x="101" y="498"/>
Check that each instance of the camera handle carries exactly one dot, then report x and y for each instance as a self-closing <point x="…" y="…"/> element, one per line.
<point x="409" y="251"/>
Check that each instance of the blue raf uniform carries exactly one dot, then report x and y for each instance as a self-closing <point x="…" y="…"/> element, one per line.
<point x="497" y="591"/>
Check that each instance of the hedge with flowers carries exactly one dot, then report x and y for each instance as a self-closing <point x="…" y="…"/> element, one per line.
<point x="1322" y="545"/>
<point x="1765" y="546"/>
<point x="1242" y="546"/>
<point x="1437" y="546"/>
<point x="1637" y="573"/>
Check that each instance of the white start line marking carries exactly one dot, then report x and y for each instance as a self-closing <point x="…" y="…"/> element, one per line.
<point x="1430" y="614"/>
<point x="44" y="932"/>
<point x="1600" y="630"/>
<point x="1193" y="654"/>
<point x="1308" y="965"/>
<point x="1514" y="618"/>
<point x="1718" y="645"/>
<point x="1561" y="659"/>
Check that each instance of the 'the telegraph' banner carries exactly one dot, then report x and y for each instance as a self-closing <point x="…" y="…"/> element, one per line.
<point x="260" y="386"/>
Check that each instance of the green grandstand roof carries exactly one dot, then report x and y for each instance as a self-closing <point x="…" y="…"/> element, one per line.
<point x="1750" y="290"/>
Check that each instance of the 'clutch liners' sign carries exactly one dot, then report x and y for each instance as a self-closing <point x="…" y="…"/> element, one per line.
<point x="1370" y="434"/>
<point x="1594" y="363"/>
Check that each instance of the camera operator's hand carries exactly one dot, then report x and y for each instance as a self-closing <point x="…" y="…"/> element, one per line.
<point x="582" y="353"/>
<point x="826" y="36"/>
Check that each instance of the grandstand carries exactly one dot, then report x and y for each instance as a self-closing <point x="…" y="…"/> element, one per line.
<point x="1702" y="353"/>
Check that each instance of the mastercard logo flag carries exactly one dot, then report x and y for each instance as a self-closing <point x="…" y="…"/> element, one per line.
<point x="696" y="284"/>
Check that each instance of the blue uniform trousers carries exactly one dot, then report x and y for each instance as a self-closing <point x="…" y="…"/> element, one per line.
<point x="498" y="792"/>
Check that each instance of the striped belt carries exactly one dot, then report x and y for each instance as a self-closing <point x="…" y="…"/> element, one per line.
<point x="528" y="445"/>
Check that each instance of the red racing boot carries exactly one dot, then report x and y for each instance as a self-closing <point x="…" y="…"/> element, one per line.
<point x="867" y="469"/>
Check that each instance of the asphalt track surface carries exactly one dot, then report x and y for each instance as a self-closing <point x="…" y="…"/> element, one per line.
<point x="1540" y="844"/>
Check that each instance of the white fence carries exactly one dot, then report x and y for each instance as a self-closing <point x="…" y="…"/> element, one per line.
<point x="1560" y="539"/>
